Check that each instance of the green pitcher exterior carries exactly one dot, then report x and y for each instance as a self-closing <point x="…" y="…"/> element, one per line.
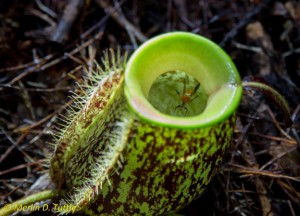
<point x="151" y="131"/>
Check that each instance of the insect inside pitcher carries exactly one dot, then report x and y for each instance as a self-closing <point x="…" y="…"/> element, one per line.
<point x="187" y="96"/>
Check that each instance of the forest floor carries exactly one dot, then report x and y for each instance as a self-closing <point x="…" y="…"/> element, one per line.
<point x="46" y="45"/>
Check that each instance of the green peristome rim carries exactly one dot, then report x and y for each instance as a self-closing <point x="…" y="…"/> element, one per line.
<point x="198" y="57"/>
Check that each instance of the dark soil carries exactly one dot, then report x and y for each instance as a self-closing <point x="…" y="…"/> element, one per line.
<point x="46" y="44"/>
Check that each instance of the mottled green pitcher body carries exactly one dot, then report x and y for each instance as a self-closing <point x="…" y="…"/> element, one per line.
<point x="153" y="132"/>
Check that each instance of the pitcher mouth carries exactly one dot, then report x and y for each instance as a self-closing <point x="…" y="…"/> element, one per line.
<point x="177" y="93"/>
<point x="194" y="57"/>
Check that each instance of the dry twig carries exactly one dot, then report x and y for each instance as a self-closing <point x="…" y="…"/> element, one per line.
<point x="115" y="13"/>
